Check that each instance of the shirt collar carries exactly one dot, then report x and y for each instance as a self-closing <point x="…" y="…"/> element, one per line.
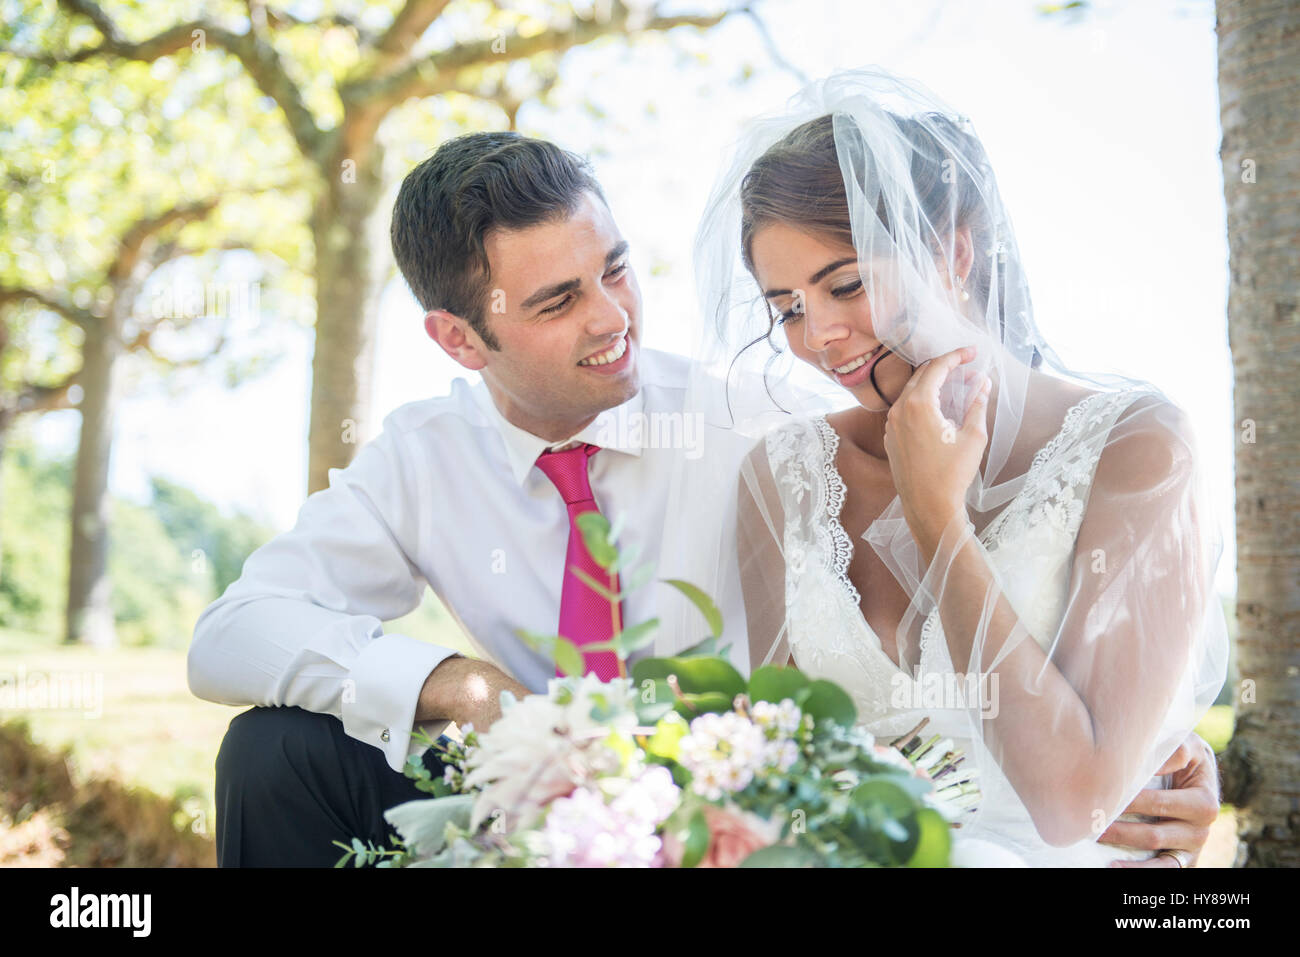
<point x="523" y="448"/>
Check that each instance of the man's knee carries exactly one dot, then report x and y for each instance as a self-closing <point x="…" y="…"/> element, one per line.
<point x="262" y="746"/>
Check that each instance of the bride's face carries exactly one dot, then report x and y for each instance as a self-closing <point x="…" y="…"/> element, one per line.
<point x="831" y="321"/>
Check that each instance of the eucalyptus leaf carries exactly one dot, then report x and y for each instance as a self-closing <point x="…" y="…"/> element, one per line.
<point x="693" y="705"/>
<point x="701" y="601"/>
<point x="638" y="577"/>
<point x="595" y="535"/>
<point x="638" y="636"/>
<point x="709" y="646"/>
<point x="695" y="675"/>
<point x="568" y="658"/>
<point x="828" y="701"/>
<point x="616" y="528"/>
<point x="422" y="823"/>
<point x="697" y="840"/>
<point x="775" y="684"/>
<point x="934" y="848"/>
<point x="543" y="644"/>
<point x="781" y="855"/>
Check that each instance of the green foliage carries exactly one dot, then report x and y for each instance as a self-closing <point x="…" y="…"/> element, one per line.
<point x="194" y="524"/>
<point x="161" y="582"/>
<point x="33" y="517"/>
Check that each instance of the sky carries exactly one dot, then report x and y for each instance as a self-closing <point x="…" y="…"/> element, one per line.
<point x="1103" y="133"/>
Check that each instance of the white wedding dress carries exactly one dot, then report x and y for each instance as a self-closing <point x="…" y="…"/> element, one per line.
<point x="1031" y="542"/>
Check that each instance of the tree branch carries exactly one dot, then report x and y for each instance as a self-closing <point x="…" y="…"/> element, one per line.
<point x="437" y="74"/>
<point x="80" y="317"/>
<point x="257" y="55"/>
<point x="46" y="398"/>
<point x="405" y="31"/>
<point x="134" y="239"/>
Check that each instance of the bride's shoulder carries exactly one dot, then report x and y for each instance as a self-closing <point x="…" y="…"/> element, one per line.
<point x="1146" y="441"/>
<point x="798" y="441"/>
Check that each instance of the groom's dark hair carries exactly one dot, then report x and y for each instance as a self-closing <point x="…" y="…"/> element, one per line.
<point x="471" y="185"/>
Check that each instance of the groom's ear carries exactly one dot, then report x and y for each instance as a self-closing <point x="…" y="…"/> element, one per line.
<point x="457" y="338"/>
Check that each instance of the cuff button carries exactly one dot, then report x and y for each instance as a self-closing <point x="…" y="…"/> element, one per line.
<point x="383" y="735"/>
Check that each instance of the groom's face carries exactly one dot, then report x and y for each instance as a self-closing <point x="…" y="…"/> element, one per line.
<point x="565" y="309"/>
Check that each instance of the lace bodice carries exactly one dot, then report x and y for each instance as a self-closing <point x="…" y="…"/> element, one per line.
<point x="1030" y="543"/>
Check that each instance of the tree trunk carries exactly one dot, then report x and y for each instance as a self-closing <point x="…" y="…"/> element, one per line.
<point x="350" y="254"/>
<point x="89" y="610"/>
<point x="6" y="420"/>
<point x="1259" y="93"/>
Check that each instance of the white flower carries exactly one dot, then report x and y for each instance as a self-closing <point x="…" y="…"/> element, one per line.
<point x="541" y="749"/>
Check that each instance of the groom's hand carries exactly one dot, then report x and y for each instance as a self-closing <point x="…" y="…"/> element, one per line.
<point x="467" y="691"/>
<point x="1186" y="809"/>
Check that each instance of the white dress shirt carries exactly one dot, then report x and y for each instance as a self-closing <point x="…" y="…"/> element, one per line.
<point x="447" y="495"/>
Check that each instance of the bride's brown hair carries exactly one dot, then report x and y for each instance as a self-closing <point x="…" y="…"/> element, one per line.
<point x="798" y="182"/>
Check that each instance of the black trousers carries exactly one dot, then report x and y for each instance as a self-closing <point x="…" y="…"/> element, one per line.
<point x="291" y="781"/>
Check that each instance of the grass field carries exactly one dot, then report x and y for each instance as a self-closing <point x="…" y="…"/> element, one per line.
<point x="150" y="731"/>
<point x="144" y="727"/>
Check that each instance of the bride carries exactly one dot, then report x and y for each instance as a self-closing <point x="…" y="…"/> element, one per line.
<point x="937" y="514"/>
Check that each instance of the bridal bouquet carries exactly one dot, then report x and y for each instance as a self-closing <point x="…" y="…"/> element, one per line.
<point x="682" y="763"/>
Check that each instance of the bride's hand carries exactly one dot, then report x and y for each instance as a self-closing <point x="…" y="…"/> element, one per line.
<point x="933" y="461"/>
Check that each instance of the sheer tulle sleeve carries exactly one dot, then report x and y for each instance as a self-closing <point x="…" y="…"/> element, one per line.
<point x="759" y="535"/>
<point x="1095" y="688"/>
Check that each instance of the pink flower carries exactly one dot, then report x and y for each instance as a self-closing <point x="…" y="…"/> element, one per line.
<point x="733" y="835"/>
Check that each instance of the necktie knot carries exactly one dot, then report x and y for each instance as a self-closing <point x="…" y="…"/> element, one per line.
<point x="567" y="471"/>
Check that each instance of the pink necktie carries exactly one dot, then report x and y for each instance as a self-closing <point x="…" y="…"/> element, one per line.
<point x="585" y="615"/>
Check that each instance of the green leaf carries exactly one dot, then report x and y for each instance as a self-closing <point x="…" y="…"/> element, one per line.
<point x="616" y="529"/>
<point x="595" y="535"/>
<point x="600" y="588"/>
<point x="882" y="791"/>
<point x="775" y="684"/>
<point x="695" y="675"/>
<point x="697" y="840"/>
<point x="568" y="658"/>
<point x="542" y="644"/>
<point x="701" y="601"/>
<point x="638" y="578"/>
<point x="781" y="855"/>
<point x="650" y="708"/>
<point x="934" y="848"/>
<point x="634" y="638"/>
<point x="423" y="822"/>
<point x="826" y="700"/>
<point x="894" y="812"/>
<point x="625" y="558"/>
<point x="709" y="646"/>
<point x="692" y="705"/>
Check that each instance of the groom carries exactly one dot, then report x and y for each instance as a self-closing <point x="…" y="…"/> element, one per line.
<point x="509" y="245"/>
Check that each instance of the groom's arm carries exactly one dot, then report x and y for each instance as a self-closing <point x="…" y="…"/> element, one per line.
<point x="467" y="691"/>
<point x="1185" y="811"/>
<point x="303" y="624"/>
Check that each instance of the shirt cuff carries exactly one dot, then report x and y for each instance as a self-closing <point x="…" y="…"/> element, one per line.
<point x="386" y="680"/>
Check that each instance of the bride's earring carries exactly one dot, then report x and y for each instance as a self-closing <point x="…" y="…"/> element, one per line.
<point x="961" y="284"/>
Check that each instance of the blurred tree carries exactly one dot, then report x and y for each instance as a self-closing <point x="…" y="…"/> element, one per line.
<point x="1259" y="101"/>
<point x="335" y="78"/>
<point x="206" y="536"/>
<point x="104" y="197"/>
<point x="159" y="585"/>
